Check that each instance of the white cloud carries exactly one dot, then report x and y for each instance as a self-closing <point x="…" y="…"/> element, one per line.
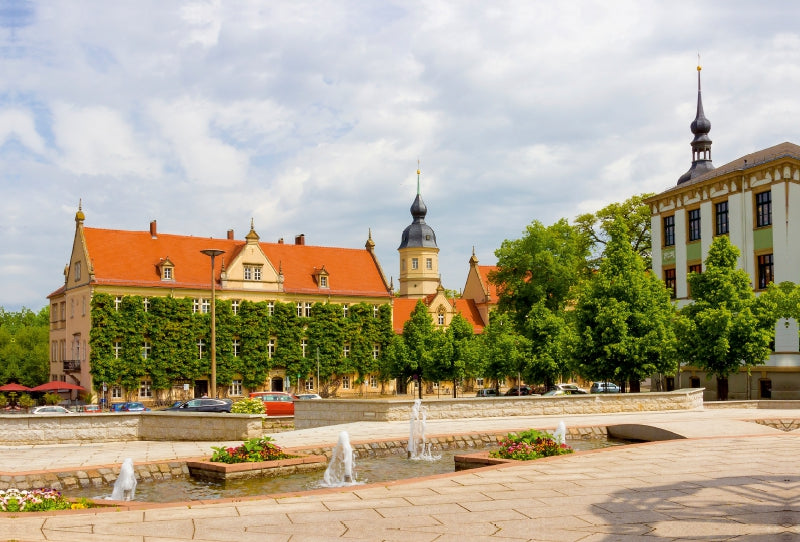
<point x="20" y="125"/>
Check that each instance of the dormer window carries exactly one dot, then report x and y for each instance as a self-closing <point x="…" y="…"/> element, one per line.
<point x="323" y="281"/>
<point x="321" y="276"/>
<point x="166" y="269"/>
<point x="252" y="272"/>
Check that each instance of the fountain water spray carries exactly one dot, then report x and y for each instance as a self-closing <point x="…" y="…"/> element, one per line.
<point x="418" y="446"/>
<point x="340" y="467"/>
<point x="560" y="436"/>
<point x="125" y="486"/>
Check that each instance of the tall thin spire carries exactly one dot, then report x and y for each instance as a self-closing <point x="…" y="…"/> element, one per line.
<point x="418" y="172"/>
<point x="701" y="144"/>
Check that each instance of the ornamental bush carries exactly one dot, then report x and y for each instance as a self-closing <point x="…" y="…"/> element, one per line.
<point x="528" y="445"/>
<point x="37" y="500"/>
<point x="248" y="406"/>
<point x="250" y="451"/>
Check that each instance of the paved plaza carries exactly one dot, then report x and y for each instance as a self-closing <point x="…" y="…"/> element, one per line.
<point x="731" y="479"/>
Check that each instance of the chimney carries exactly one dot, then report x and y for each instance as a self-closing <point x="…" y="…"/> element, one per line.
<point x="300" y="239"/>
<point x="280" y="241"/>
<point x="153" y="233"/>
<point x="230" y="235"/>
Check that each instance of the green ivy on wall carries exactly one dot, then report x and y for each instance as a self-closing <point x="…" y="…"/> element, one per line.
<point x="173" y="333"/>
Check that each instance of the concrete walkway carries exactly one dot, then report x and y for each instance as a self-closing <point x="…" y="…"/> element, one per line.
<point x="736" y="485"/>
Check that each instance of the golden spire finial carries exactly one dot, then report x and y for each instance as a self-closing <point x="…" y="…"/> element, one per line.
<point x="699" y="67"/>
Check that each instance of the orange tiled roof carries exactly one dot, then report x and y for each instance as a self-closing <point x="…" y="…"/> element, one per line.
<point x="468" y="309"/>
<point x="484" y="271"/>
<point x="402" y="309"/>
<point x="131" y="258"/>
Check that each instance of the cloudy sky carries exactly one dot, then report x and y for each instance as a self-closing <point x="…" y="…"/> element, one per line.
<point x="309" y="117"/>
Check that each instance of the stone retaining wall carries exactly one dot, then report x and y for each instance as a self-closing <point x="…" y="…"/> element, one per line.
<point x="310" y="414"/>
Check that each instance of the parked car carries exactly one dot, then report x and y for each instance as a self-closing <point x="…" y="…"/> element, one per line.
<point x="554" y="391"/>
<point x="133" y="407"/>
<point x="522" y="390"/>
<point x="604" y="387"/>
<point x="117" y="407"/>
<point x="204" y="404"/>
<point x="307" y="396"/>
<point x="572" y="388"/>
<point x="487" y="392"/>
<point x="276" y="403"/>
<point x="88" y="409"/>
<point x="50" y="409"/>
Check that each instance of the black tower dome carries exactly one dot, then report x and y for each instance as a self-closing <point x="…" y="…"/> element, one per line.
<point x="418" y="233"/>
<point x="701" y="144"/>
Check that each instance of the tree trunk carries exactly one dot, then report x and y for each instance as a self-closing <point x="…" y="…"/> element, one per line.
<point x="635" y="385"/>
<point x="722" y="389"/>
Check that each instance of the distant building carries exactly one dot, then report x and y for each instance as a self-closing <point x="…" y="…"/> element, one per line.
<point x="755" y="201"/>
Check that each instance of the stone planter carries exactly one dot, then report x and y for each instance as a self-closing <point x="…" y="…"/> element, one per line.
<point x="482" y="459"/>
<point x="207" y="470"/>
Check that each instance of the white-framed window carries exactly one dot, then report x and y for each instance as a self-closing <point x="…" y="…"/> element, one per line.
<point x="323" y="281"/>
<point x="376" y="351"/>
<point x="271" y="308"/>
<point x="346" y="382"/>
<point x="346" y="350"/>
<point x="235" y="306"/>
<point x="76" y="346"/>
<point x="116" y="346"/>
<point x="436" y="384"/>
<point x="308" y="310"/>
<point x="146" y="304"/>
<point x="235" y="389"/>
<point x="202" y="305"/>
<point x="440" y="318"/>
<point x="345" y="309"/>
<point x="299" y="309"/>
<point x="271" y="348"/>
<point x="252" y="272"/>
<point x="375" y="311"/>
<point x="310" y="383"/>
<point x="235" y="347"/>
<point x="146" y="349"/>
<point x="117" y="302"/>
<point x="414" y="263"/>
<point x="166" y="273"/>
<point x="479" y="382"/>
<point x="429" y="263"/>
<point x="77" y="268"/>
<point x="200" y="345"/>
<point x="144" y="388"/>
<point x="373" y="381"/>
<point x="304" y="346"/>
<point x="116" y="392"/>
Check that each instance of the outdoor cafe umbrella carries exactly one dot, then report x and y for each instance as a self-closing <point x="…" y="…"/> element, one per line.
<point x="55" y="385"/>
<point x="13" y="386"/>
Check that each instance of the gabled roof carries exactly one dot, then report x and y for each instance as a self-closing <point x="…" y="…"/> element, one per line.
<point x="403" y="307"/>
<point x="131" y="258"/>
<point x="489" y="286"/>
<point x="754" y="159"/>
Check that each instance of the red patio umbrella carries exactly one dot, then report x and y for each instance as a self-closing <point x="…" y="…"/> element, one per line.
<point x="13" y="386"/>
<point x="54" y="385"/>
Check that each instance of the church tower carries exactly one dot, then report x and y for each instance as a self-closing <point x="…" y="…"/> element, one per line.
<point x="419" y="255"/>
<point x="701" y="144"/>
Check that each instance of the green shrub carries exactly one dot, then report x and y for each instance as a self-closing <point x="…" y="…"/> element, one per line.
<point x="3" y="400"/>
<point x="248" y="406"/>
<point x="26" y="401"/>
<point x="50" y="398"/>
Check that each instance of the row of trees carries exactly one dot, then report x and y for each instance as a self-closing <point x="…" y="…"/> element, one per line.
<point x="23" y="346"/>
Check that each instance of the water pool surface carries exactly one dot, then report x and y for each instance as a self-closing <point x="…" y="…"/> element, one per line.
<point x="369" y="470"/>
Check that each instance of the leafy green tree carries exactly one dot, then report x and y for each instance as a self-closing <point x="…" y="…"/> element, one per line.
<point x="552" y="339"/>
<point x="635" y="215"/>
<point x="624" y="317"/>
<point x="505" y="351"/>
<point x="456" y="352"/>
<point x="722" y="330"/>
<point x="24" y="346"/>
<point x="415" y="358"/>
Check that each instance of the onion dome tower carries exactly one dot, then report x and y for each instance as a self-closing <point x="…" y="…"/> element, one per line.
<point x="419" y="254"/>
<point x="701" y="144"/>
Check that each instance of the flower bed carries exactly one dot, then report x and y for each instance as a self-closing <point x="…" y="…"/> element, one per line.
<point x="37" y="500"/>
<point x="528" y="445"/>
<point x="250" y="451"/>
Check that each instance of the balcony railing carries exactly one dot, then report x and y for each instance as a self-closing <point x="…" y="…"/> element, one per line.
<point x="72" y="365"/>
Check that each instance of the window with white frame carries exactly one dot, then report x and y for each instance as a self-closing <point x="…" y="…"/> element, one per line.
<point x="375" y="311"/>
<point x="440" y="318"/>
<point x="252" y="272"/>
<point x="271" y="308"/>
<point x="271" y="348"/>
<point x="376" y="351"/>
<point x="116" y="392"/>
<point x="146" y="349"/>
<point x="200" y="345"/>
<point x="373" y="381"/>
<point x="346" y="350"/>
<point x="308" y="310"/>
<point x="309" y="383"/>
<point x="76" y="346"/>
<point x="304" y="346"/>
<point x="235" y="306"/>
<point x="235" y="347"/>
<point x="117" y="302"/>
<point x="345" y="309"/>
<point x="346" y="382"/>
<point x="144" y="388"/>
<point x="323" y="281"/>
<point x="479" y="382"/>
<point x="166" y="273"/>
<point x="299" y="310"/>
<point x="201" y="305"/>
<point x="116" y="346"/>
<point x="77" y="271"/>
<point x="429" y="264"/>
<point x="235" y="389"/>
<point x="414" y="263"/>
<point x="146" y="304"/>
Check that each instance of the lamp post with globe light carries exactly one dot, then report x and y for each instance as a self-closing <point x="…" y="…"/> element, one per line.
<point x="213" y="253"/>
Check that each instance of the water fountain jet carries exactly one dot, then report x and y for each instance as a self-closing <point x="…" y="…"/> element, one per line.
<point x="340" y="467"/>
<point x="125" y="486"/>
<point x="418" y="446"/>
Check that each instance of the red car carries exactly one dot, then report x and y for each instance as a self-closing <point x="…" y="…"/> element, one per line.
<point x="276" y="403"/>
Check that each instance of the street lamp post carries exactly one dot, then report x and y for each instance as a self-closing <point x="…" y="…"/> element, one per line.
<point x="213" y="253"/>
